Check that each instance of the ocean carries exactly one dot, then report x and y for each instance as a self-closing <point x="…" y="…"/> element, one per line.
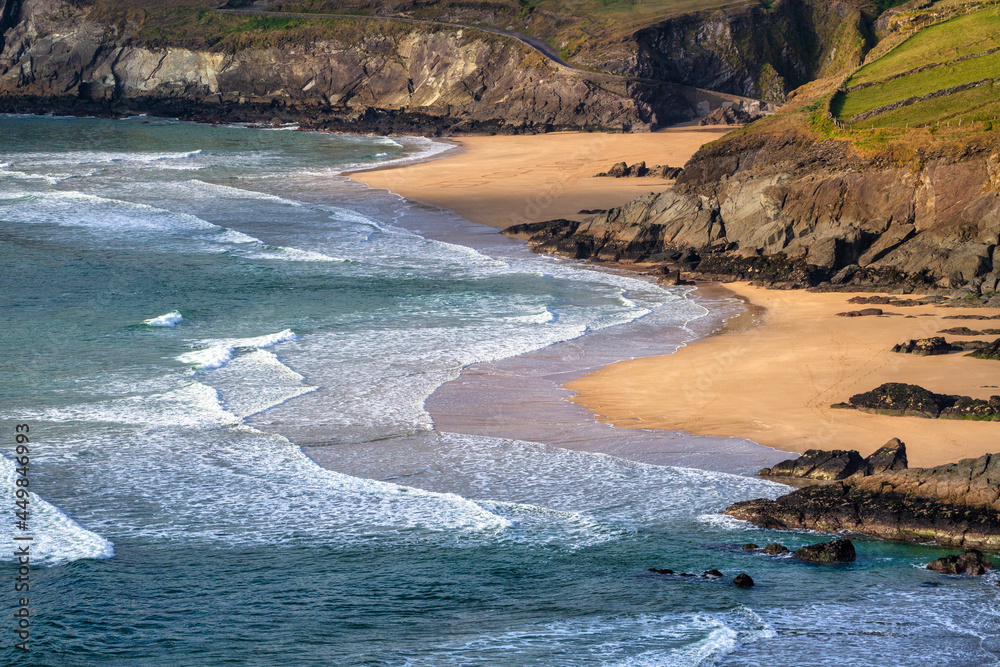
<point x="278" y="417"/>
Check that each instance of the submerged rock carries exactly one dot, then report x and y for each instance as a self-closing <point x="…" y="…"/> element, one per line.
<point x="972" y="561"/>
<point x="775" y="549"/>
<point x="743" y="580"/>
<point x="837" y="551"/>
<point x="660" y="571"/>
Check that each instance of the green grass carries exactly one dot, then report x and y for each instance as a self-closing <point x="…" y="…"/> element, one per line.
<point x="975" y="105"/>
<point x="972" y="33"/>
<point x="917" y="85"/>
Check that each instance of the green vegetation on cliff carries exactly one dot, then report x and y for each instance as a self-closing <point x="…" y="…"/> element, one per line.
<point x="944" y="73"/>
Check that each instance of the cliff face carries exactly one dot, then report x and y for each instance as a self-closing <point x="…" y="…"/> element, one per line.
<point x="417" y="74"/>
<point x="817" y="208"/>
<point x="754" y="50"/>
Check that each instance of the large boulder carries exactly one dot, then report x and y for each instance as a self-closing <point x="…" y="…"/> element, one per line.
<point x="890" y="457"/>
<point x="897" y="398"/>
<point x="925" y="347"/>
<point x="972" y="561"/>
<point x="837" y="551"/>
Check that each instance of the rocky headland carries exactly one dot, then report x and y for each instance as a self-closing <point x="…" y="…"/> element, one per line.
<point x="957" y="504"/>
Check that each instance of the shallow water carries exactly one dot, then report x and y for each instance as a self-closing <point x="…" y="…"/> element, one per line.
<point x="185" y="306"/>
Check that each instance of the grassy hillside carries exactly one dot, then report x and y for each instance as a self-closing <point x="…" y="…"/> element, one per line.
<point x="945" y="73"/>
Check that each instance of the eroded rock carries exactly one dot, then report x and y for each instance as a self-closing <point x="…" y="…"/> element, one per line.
<point x="971" y="561"/>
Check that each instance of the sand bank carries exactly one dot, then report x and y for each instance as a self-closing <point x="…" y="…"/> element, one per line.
<point x="774" y="384"/>
<point x="505" y="180"/>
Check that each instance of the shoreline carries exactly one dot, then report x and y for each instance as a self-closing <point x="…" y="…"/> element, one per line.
<point x="774" y="383"/>
<point x="635" y="393"/>
<point x="504" y="180"/>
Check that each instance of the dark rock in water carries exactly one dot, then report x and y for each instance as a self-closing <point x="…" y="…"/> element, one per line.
<point x="685" y="574"/>
<point x="925" y="347"/>
<point x="864" y="312"/>
<point x="775" y="549"/>
<point x="972" y="561"/>
<point x="888" y="458"/>
<point x="955" y="504"/>
<point x="818" y="464"/>
<point x="743" y="580"/>
<point x="991" y="351"/>
<point x="714" y="574"/>
<point x="837" y="551"/>
<point x="750" y="546"/>
<point x="660" y="571"/>
<point x="896" y="398"/>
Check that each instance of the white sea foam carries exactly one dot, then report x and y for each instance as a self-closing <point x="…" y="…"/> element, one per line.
<point x="167" y="320"/>
<point x="208" y="358"/>
<point x="216" y="353"/>
<point x="285" y="254"/>
<point x="57" y="538"/>
<point x="543" y="317"/>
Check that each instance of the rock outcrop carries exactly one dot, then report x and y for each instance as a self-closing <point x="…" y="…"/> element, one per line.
<point x="910" y="400"/>
<point x="639" y="169"/>
<point x="786" y="208"/>
<point x="835" y="464"/>
<point x="925" y="347"/>
<point x="957" y="504"/>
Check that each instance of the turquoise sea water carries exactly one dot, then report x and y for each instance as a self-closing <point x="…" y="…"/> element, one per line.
<point x="184" y="306"/>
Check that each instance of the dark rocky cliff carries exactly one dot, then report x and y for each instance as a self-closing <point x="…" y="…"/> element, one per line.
<point x="379" y="75"/>
<point x="754" y="50"/>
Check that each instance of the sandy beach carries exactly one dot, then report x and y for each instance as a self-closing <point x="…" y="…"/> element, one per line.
<point x="506" y="180"/>
<point x="774" y="383"/>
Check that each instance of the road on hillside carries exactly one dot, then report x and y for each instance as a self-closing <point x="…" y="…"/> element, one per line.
<point x="539" y="45"/>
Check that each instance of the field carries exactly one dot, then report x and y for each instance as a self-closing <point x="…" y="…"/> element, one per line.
<point x="956" y="52"/>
